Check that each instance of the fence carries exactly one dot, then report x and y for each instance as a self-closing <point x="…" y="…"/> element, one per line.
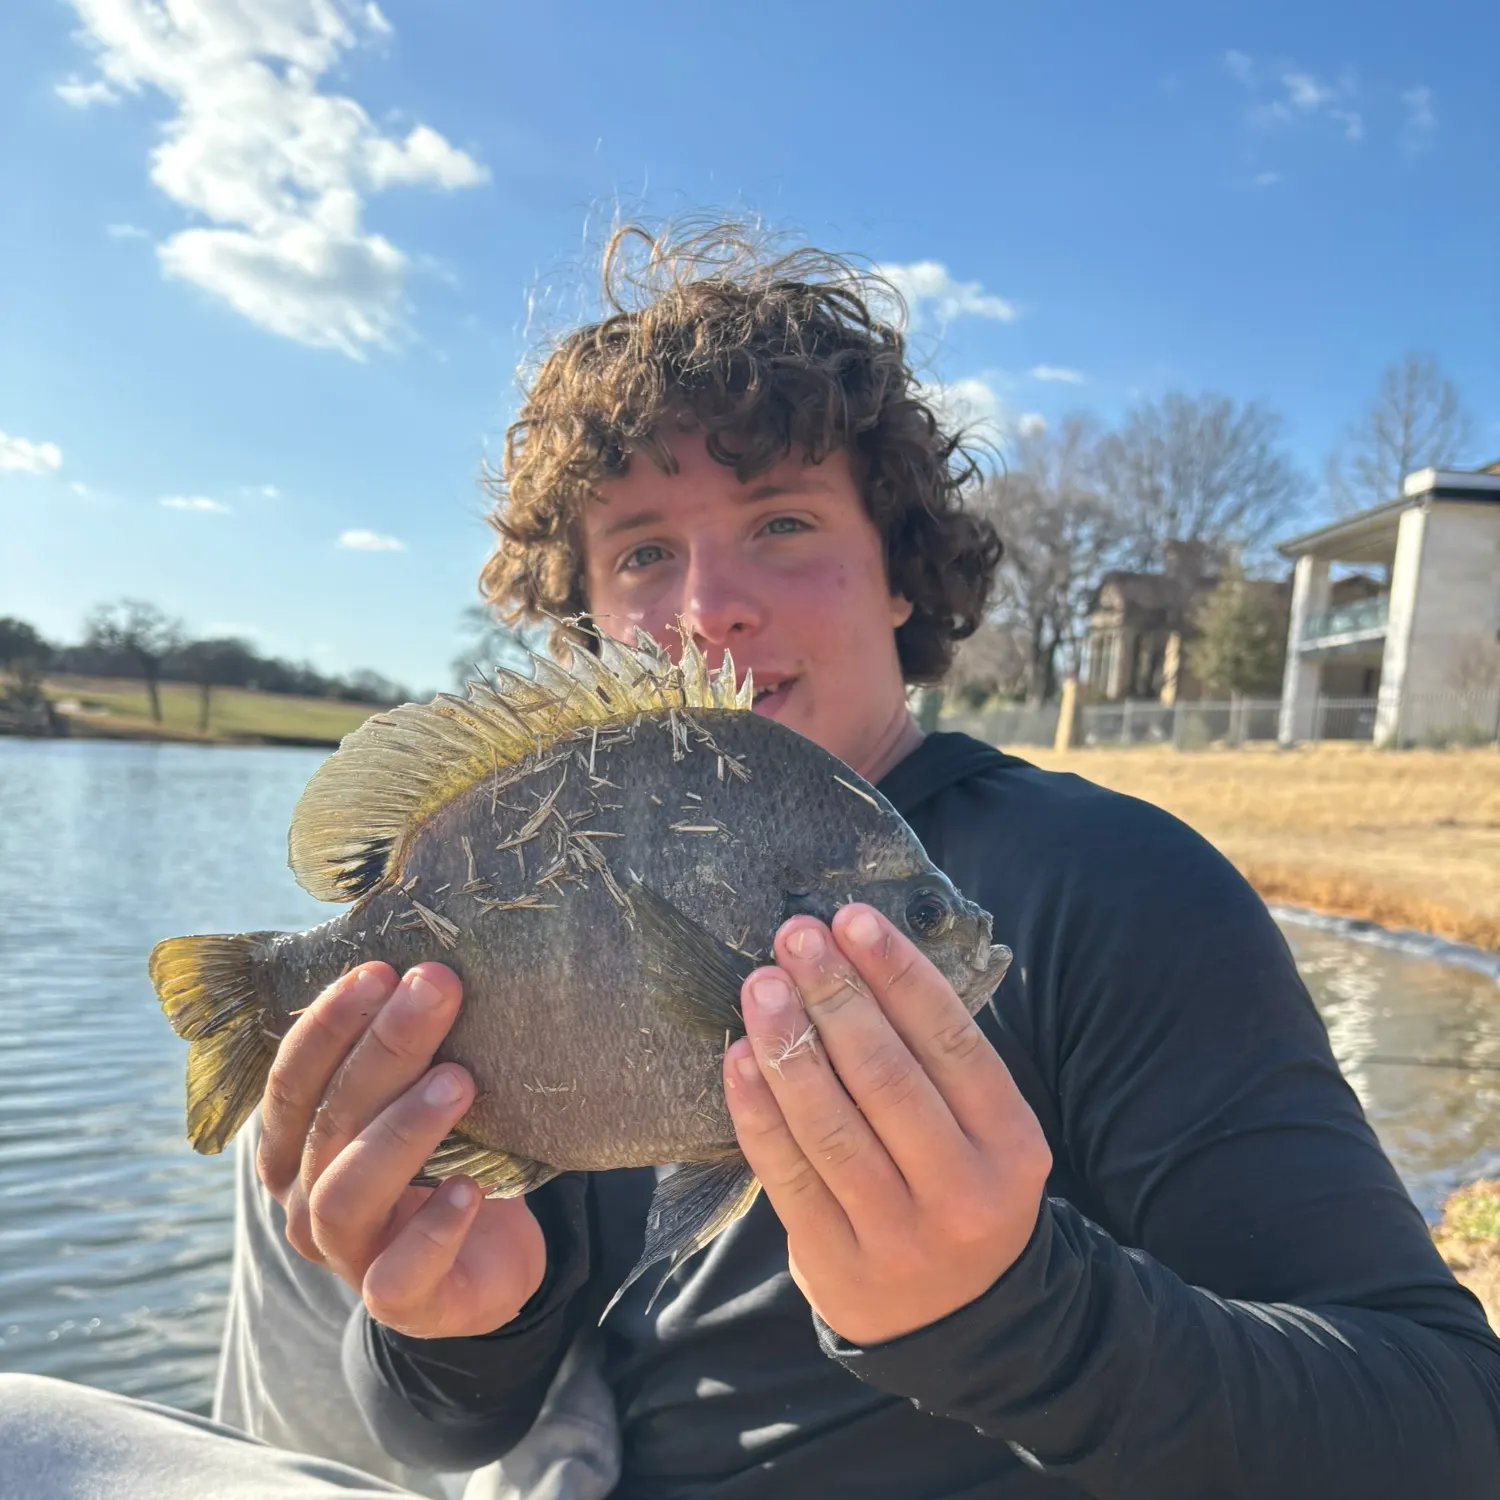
<point x="1433" y="719"/>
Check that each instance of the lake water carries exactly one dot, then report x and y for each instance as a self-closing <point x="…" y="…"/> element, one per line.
<point x="114" y="1236"/>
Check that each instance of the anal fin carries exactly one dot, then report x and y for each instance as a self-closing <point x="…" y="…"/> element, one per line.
<point x="498" y="1174"/>
<point x="689" y="1209"/>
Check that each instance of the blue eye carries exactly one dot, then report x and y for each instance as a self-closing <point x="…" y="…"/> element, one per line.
<point x="643" y="556"/>
<point x="785" y="525"/>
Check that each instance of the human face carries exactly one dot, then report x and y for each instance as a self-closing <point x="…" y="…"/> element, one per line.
<point x="787" y="572"/>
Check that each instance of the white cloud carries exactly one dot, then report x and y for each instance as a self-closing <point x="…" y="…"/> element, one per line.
<point x="1421" y="121"/>
<point x="1352" y="121"/>
<point x="1059" y="373"/>
<point x="1240" y="65"/>
<point x="930" y="291"/>
<point x="971" y="403"/>
<point x="80" y="489"/>
<point x="369" y="541"/>
<point x="1305" y="93"/>
<point x="77" y="94"/>
<point x="1297" y="96"/>
<point x="126" y="232"/>
<point x="1030" y="424"/>
<point x="22" y="456"/>
<point x="277" y="168"/>
<point x="196" y="502"/>
<point x="1267" y="179"/>
<point x="261" y="492"/>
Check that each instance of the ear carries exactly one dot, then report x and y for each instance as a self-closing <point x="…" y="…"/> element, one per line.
<point x="901" y="611"/>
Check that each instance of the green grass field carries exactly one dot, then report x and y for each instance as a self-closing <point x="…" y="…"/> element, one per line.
<point x="112" y="705"/>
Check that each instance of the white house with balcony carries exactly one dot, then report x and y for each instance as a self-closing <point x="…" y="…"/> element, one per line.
<point x="1427" y="647"/>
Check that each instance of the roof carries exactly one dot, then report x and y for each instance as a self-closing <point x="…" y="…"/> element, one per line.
<point x="1360" y="536"/>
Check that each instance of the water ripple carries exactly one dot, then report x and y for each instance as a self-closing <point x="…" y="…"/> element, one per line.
<point x="114" y="1259"/>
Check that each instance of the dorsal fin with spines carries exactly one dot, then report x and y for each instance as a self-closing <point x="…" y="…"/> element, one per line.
<point x="359" y="811"/>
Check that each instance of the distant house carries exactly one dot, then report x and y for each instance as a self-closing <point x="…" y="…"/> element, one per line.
<point x="1142" y="623"/>
<point x="1437" y="548"/>
<point x="1139" y="625"/>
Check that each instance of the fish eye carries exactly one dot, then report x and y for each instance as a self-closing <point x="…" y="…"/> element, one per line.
<point x="928" y="913"/>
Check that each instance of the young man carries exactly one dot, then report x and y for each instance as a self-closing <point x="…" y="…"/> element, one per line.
<point x="1128" y="1235"/>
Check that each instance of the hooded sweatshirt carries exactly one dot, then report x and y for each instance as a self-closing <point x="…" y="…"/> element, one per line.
<point x="1228" y="1292"/>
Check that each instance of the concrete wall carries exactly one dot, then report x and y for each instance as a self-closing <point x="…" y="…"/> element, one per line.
<point x="1299" y="687"/>
<point x="1445" y="598"/>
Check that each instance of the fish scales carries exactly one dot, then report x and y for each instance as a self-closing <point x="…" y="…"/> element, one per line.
<point x="583" y="962"/>
<point x="600" y="933"/>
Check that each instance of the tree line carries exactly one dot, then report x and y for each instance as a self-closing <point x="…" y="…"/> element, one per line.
<point x="134" y="638"/>
<point x="1077" y="501"/>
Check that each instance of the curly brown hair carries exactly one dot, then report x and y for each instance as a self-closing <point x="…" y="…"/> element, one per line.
<point x="762" y="352"/>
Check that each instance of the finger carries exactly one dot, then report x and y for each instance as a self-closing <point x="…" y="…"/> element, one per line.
<point x="925" y="1011"/>
<point x="395" y="1050"/>
<point x="877" y="1068"/>
<point x="824" y="1122"/>
<point x="461" y="1266"/>
<point x="306" y="1061"/>
<point x="352" y="1203"/>
<point x="804" y="1203"/>
<point x="406" y="1278"/>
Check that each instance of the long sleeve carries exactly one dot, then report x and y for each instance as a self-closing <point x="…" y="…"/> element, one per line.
<point x="1230" y="1294"/>
<point x="459" y="1403"/>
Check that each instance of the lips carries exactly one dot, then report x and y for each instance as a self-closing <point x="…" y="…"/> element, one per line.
<point x="770" y="699"/>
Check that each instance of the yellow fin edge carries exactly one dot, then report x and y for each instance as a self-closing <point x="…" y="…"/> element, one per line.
<point x="390" y="774"/>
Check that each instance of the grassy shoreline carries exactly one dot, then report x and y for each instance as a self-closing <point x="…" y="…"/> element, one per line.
<point x="118" y="708"/>
<point x="1468" y="1238"/>
<point x="1403" y="839"/>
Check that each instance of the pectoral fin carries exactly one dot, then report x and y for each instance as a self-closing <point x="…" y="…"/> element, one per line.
<point x="698" y="975"/>
<point x="689" y="1209"/>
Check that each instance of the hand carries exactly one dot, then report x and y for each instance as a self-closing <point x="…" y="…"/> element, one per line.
<point x="352" y="1109"/>
<point x="892" y="1142"/>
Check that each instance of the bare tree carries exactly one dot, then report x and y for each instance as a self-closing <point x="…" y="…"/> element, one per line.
<point x="993" y="663"/>
<point x="211" y="664"/>
<point x="20" y="641"/>
<point x="1417" y="420"/>
<point x="1059" y="535"/>
<point x="142" y="632"/>
<point x="1197" y="469"/>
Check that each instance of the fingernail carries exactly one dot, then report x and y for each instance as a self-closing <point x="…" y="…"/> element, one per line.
<point x="461" y="1195"/>
<point x="443" y="1088"/>
<point x="747" y="1067"/>
<point x="773" y="995"/>
<point x="807" y="942"/>
<point x="864" y="929"/>
<point x="423" y="991"/>
<point x="369" y="984"/>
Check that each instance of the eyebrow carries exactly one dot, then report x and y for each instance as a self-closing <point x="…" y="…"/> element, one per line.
<point x="769" y="490"/>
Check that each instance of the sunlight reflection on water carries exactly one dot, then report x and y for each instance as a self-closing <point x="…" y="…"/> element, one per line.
<point x="115" y="1253"/>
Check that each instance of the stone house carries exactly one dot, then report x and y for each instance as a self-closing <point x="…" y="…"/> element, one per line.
<point x="1436" y="551"/>
<point x="1139" y="625"/>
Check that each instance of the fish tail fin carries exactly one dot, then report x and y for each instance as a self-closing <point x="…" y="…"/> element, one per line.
<point x="207" y="988"/>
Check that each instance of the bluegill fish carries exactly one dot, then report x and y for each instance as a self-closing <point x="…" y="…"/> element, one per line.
<point x="602" y="852"/>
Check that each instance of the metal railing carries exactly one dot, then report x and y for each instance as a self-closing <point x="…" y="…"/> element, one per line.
<point x="1363" y="617"/>
<point x="1425" y="719"/>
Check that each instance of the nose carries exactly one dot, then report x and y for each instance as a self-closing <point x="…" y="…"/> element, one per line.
<point x="722" y="606"/>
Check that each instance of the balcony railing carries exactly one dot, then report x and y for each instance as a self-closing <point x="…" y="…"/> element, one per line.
<point x="1363" y="617"/>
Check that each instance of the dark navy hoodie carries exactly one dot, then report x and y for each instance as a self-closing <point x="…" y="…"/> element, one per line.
<point x="1228" y="1292"/>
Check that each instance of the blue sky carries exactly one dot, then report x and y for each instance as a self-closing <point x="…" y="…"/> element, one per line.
<point x="269" y="265"/>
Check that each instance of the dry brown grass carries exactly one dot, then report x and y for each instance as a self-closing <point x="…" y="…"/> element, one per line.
<point x="1405" y="839"/>
<point x="1468" y="1236"/>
